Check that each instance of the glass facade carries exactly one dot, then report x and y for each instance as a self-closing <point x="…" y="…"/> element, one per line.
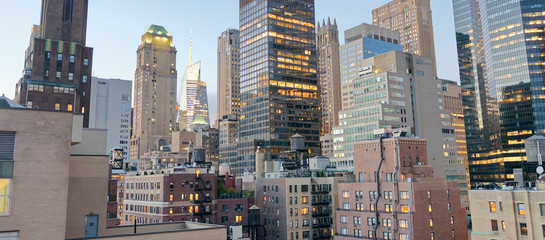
<point x="373" y="47"/>
<point x="194" y="100"/>
<point x="278" y="80"/>
<point x="500" y="49"/>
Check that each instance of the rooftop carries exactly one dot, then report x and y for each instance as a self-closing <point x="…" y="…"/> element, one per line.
<point x="8" y="103"/>
<point x="159" y="30"/>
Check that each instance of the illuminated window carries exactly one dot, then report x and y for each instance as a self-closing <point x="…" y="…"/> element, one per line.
<point x="492" y="206"/>
<point x="238" y="219"/>
<point x="304" y="211"/>
<point x="404" y="195"/>
<point x="304" y="199"/>
<point x="402" y="223"/>
<point x="346" y="194"/>
<point x="170" y="210"/>
<point x="5" y="190"/>
<point x="171" y="198"/>
<point x="522" y="209"/>
<point x="84" y="79"/>
<point x="404" y="208"/>
<point x="503" y="225"/>
<point x="429" y="194"/>
<point x="69" y="107"/>
<point x="431" y="222"/>
<point x="57" y="106"/>
<point x="523" y="229"/>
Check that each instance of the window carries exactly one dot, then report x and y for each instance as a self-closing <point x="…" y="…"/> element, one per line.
<point x="448" y="206"/>
<point x="72" y="58"/>
<point x="432" y="236"/>
<point x="344" y="219"/>
<point x="9" y="235"/>
<point x="238" y="219"/>
<point x="503" y="225"/>
<point x="84" y="80"/>
<point x="402" y="223"/>
<point x="522" y="209"/>
<point x="346" y="206"/>
<point x="59" y="57"/>
<point x="70" y="77"/>
<point x="7" y="146"/>
<point x="224" y="219"/>
<point x="451" y="220"/>
<point x="344" y="231"/>
<point x="69" y="107"/>
<point x="523" y="229"/>
<point x="431" y="222"/>
<point x="404" y="195"/>
<point x="59" y="75"/>
<point x="370" y="234"/>
<point x="304" y="211"/>
<point x="372" y="207"/>
<point x="304" y="199"/>
<point x="429" y="207"/>
<point x="238" y="208"/>
<point x="306" y="222"/>
<point x="224" y="208"/>
<point x="542" y="209"/>
<point x="57" y="106"/>
<point x="543" y="230"/>
<point x="304" y="188"/>
<point x="429" y="194"/>
<point x="492" y="206"/>
<point x="29" y="104"/>
<point x="494" y="224"/>
<point x="85" y="62"/>
<point x="404" y="208"/>
<point x="346" y="194"/>
<point x="5" y="192"/>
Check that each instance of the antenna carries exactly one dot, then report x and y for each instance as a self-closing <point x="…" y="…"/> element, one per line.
<point x="191" y="46"/>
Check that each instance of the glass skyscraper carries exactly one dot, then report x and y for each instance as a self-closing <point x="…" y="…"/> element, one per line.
<point x="501" y="48"/>
<point x="278" y="80"/>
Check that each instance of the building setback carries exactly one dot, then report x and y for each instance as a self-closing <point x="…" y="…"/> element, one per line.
<point x="111" y="109"/>
<point x="58" y="64"/>
<point x="396" y="196"/>
<point x="278" y="82"/>
<point x="154" y="117"/>
<point x="413" y="20"/>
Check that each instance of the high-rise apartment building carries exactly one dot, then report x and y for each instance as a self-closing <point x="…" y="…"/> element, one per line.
<point x="194" y="100"/>
<point x="278" y="82"/>
<point x="396" y="196"/>
<point x="154" y="116"/>
<point x="501" y="70"/>
<point x="57" y="71"/>
<point x="329" y="79"/>
<point x="228" y="139"/>
<point x="398" y="90"/>
<point x="413" y="20"/>
<point x="228" y="73"/>
<point x="111" y="109"/>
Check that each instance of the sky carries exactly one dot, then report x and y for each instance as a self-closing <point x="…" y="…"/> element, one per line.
<point x="114" y="30"/>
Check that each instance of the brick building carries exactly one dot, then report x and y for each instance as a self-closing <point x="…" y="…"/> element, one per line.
<point x="396" y="196"/>
<point x="58" y="65"/>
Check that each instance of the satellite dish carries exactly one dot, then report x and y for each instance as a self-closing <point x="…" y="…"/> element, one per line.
<point x="539" y="170"/>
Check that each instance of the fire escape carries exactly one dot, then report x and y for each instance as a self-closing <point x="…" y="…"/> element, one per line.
<point x="202" y="199"/>
<point x="321" y="212"/>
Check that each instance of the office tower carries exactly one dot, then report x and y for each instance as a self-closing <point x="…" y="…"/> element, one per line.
<point x="194" y="97"/>
<point x="111" y="109"/>
<point x="228" y="73"/>
<point x="58" y="65"/>
<point x="278" y="82"/>
<point x="452" y="99"/>
<point x="398" y="90"/>
<point x="501" y="70"/>
<point x="413" y="20"/>
<point x="329" y="79"/>
<point x="394" y="198"/>
<point x="361" y="42"/>
<point x="154" y="115"/>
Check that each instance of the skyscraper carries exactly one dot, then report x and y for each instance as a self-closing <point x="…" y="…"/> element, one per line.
<point x="500" y="49"/>
<point x="278" y="82"/>
<point x="154" y="115"/>
<point x="228" y="73"/>
<point x="413" y="20"/>
<point x="329" y="79"/>
<point x="194" y="101"/>
<point x="57" y="70"/>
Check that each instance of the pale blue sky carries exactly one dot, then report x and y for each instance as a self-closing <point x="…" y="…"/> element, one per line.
<point x="115" y="27"/>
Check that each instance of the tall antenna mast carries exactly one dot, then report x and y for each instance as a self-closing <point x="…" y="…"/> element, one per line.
<point x="191" y="46"/>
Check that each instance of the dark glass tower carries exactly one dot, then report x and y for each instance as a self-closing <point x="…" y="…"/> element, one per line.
<point x="58" y="65"/>
<point x="278" y="80"/>
<point x="501" y="54"/>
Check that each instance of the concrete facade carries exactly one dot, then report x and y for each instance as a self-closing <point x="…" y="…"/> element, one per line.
<point x="111" y="109"/>
<point x="228" y="73"/>
<point x="508" y="214"/>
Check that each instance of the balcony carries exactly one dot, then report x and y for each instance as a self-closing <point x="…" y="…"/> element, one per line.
<point x="203" y="200"/>
<point x="321" y="225"/>
<point x="201" y="213"/>
<point x="321" y="214"/>
<point x="320" y="191"/>
<point x="321" y="202"/>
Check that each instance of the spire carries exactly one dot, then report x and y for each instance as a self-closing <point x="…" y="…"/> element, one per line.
<point x="323" y="22"/>
<point x="335" y="21"/>
<point x="191" y="47"/>
<point x="318" y="25"/>
<point x="329" y="21"/>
